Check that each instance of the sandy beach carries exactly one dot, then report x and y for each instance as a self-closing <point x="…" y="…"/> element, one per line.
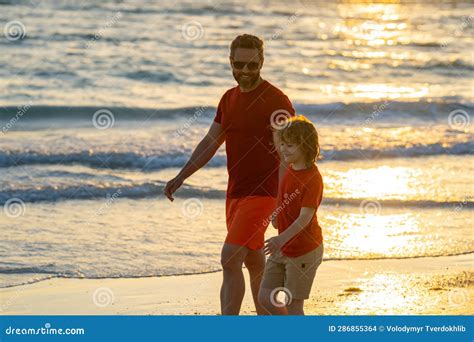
<point x="431" y="285"/>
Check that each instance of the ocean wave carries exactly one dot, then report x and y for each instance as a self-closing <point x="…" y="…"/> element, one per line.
<point x="84" y="192"/>
<point x="137" y="161"/>
<point x="45" y="269"/>
<point x="390" y="110"/>
<point x="457" y="63"/>
<point x="150" y="76"/>
<point x="110" y="160"/>
<point x="464" y="148"/>
<point x="155" y="189"/>
<point x="86" y="112"/>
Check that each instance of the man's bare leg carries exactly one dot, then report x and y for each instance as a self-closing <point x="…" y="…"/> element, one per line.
<point x="233" y="285"/>
<point x="255" y="263"/>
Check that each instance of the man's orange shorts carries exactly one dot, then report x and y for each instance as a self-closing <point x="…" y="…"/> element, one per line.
<point x="247" y="220"/>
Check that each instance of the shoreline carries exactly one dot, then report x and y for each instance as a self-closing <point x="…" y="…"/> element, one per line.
<point x="219" y="270"/>
<point x="426" y="285"/>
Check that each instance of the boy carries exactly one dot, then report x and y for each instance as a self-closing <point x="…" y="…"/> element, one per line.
<point x="297" y="251"/>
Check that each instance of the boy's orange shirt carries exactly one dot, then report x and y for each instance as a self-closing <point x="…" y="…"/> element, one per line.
<point x="298" y="189"/>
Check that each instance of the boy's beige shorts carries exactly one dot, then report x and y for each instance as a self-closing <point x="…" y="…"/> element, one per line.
<point x="296" y="275"/>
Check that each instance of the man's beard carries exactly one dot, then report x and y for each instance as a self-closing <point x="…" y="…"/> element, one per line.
<point x="246" y="82"/>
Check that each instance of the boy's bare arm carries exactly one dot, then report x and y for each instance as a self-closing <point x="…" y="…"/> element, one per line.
<point x="275" y="243"/>
<point x="203" y="152"/>
<point x="306" y="214"/>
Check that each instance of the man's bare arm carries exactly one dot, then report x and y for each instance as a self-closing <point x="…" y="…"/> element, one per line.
<point x="203" y="152"/>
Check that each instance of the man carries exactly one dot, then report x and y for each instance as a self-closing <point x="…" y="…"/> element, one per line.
<point x="244" y="120"/>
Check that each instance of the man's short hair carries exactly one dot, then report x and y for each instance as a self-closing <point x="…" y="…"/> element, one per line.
<point x="247" y="41"/>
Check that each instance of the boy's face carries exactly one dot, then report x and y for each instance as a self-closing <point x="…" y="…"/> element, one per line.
<point x="292" y="153"/>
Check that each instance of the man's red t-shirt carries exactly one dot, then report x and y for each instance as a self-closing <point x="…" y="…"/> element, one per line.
<point x="252" y="160"/>
<point x="300" y="188"/>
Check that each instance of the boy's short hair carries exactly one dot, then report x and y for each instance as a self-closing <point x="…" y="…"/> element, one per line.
<point x="247" y="41"/>
<point x="299" y="130"/>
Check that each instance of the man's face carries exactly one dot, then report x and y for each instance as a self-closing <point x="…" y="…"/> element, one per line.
<point x="246" y="65"/>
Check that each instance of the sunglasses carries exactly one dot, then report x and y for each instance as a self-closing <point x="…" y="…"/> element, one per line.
<point x="241" y="65"/>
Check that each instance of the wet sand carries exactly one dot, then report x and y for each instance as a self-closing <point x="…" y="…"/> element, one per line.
<point x="431" y="285"/>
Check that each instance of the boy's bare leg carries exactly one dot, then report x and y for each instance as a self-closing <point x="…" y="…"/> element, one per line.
<point x="296" y="307"/>
<point x="255" y="263"/>
<point x="233" y="285"/>
<point x="264" y="299"/>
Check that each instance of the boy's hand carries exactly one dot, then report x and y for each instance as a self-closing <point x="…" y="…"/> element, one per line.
<point x="172" y="186"/>
<point x="273" y="245"/>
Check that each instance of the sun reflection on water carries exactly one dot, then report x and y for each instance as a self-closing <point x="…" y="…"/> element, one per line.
<point x="379" y="182"/>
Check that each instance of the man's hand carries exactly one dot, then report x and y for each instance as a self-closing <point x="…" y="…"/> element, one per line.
<point x="172" y="186"/>
<point x="203" y="152"/>
<point x="273" y="245"/>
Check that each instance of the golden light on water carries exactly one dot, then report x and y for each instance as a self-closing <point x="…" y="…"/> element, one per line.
<point x="385" y="90"/>
<point x="370" y="24"/>
<point x="368" y="30"/>
<point x="378" y="234"/>
<point x="379" y="182"/>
